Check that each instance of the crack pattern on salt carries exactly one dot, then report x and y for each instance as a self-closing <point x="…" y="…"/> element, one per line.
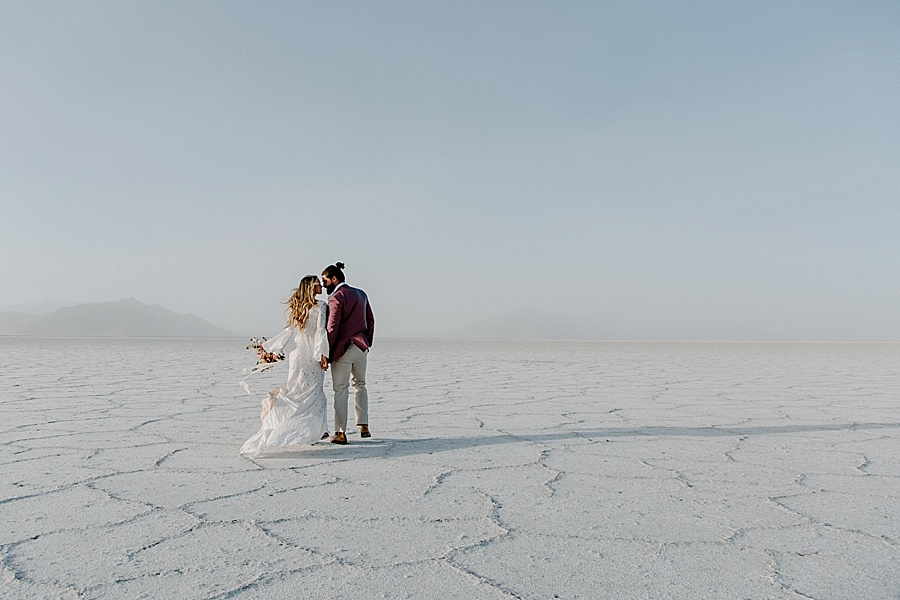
<point x="464" y="445"/>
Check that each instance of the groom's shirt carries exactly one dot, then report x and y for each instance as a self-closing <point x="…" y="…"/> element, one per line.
<point x="350" y="320"/>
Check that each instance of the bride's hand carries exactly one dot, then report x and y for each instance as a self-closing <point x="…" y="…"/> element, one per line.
<point x="323" y="362"/>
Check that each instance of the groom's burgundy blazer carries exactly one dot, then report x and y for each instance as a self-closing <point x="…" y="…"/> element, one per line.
<point x="350" y="321"/>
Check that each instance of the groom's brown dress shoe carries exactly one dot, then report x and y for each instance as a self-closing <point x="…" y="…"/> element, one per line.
<point x="364" y="431"/>
<point x="339" y="438"/>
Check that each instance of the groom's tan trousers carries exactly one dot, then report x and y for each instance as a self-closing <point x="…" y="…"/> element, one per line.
<point x="353" y="362"/>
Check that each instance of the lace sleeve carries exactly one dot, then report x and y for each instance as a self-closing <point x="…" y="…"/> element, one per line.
<point x="277" y="343"/>
<point x="321" y="343"/>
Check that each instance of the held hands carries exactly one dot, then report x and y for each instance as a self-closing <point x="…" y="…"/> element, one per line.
<point x="323" y="362"/>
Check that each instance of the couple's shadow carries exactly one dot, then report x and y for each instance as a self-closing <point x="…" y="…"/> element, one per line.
<point x="386" y="447"/>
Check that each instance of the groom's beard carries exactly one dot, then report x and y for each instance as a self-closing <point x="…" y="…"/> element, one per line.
<point x="330" y="289"/>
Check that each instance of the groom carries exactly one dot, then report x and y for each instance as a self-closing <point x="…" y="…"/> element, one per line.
<point x="351" y="327"/>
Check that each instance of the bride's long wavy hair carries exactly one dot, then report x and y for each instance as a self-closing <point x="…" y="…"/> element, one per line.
<point x="301" y="301"/>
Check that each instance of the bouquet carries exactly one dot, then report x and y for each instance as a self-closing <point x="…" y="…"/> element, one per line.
<point x="264" y="357"/>
<point x="266" y="361"/>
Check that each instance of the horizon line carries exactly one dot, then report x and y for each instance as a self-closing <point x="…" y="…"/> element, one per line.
<point x="473" y="339"/>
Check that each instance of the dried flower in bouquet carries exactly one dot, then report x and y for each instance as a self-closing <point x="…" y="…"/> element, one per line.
<point x="264" y="357"/>
<point x="266" y="361"/>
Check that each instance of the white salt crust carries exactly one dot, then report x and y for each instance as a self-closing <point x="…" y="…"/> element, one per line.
<point x="496" y="470"/>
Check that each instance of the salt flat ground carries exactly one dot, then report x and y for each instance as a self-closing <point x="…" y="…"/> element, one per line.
<point x="496" y="470"/>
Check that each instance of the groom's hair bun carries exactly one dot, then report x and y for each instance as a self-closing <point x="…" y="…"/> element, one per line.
<point x="336" y="271"/>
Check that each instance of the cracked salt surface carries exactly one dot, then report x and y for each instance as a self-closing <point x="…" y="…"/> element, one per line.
<point x="497" y="470"/>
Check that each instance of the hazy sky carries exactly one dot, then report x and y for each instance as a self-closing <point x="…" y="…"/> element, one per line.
<point x="661" y="169"/>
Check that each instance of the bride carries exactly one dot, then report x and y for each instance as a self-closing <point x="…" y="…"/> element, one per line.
<point x="294" y="413"/>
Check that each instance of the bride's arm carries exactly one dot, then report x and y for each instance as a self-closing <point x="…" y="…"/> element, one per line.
<point x="277" y="343"/>
<point x="321" y="340"/>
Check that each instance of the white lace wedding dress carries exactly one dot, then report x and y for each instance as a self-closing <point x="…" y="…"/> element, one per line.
<point x="294" y="413"/>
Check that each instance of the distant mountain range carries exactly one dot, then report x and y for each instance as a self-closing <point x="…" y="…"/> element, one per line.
<point x="125" y="318"/>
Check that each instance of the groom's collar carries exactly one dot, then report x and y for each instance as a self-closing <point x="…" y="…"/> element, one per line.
<point x="339" y="286"/>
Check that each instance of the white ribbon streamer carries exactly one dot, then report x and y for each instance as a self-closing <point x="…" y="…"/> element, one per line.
<point x="259" y="368"/>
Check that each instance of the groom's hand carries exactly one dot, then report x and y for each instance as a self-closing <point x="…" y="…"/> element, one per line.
<point x="323" y="362"/>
